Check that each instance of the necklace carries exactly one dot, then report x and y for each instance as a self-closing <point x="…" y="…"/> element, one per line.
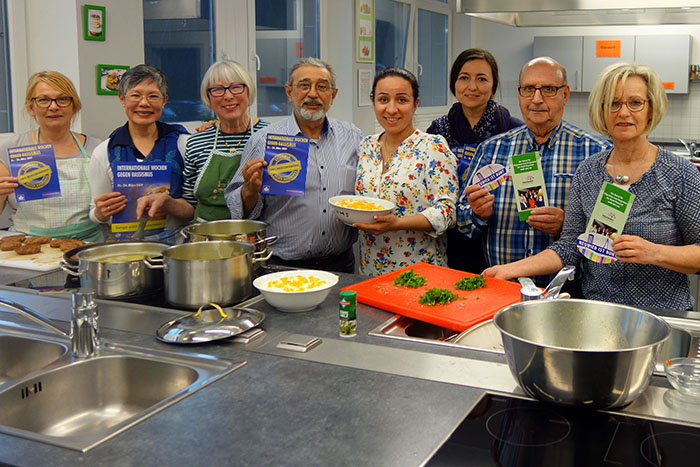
<point x="240" y="141"/>
<point x="624" y="179"/>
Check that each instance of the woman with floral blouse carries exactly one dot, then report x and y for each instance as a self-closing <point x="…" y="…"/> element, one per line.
<point x="413" y="169"/>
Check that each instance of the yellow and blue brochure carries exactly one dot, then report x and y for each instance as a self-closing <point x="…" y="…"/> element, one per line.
<point x="134" y="180"/>
<point x="36" y="172"/>
<point x="464" y="155"/>
<point x="287" y="157"/>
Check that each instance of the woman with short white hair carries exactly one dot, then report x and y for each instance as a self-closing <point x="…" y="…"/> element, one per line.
<point x="213" y="155"/>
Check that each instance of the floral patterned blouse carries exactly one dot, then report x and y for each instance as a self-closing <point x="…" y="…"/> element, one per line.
<point x="421" y="178"/>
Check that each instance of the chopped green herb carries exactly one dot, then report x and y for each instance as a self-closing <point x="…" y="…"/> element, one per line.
<point x="471" y="283"/>
<point x="437" y="297"/>
<point x="409" y="279"/>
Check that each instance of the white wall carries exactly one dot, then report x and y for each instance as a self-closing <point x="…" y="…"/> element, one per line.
<point x="513" y="46"/>
<point x="51" y="38"/>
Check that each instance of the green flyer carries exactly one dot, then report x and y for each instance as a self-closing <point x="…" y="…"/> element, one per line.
<point x="528" y="183"/>
<point x="610" y="211"/>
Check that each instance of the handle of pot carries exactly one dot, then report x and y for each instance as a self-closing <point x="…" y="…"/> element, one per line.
<point x="68" y="268"/>
<point x="257" y="256"/>
<point x="154" y="262"/>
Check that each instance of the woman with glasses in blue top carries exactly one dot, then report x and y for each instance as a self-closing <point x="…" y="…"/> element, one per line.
<point x="660" y="242"/>
<point x="143" y="92"/>
<point x="52" y="101"/>
<point x="213" y="155"/>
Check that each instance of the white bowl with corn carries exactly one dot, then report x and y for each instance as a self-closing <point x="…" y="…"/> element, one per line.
<point x="354" y="208"/>
<point x="296" y="290"/>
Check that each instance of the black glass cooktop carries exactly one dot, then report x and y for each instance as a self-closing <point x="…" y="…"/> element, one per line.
<point x="505" y="431"/>
<point x="58" y="281"/>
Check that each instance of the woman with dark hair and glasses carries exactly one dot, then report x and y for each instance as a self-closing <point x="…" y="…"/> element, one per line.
<point x="474" y="118"/>
<point x="413" y="169"/>
<point x="213" y="155"/>
<point x="143" y="92"/>
<point x="52" y="101"/>
<point x="660" y="242"/>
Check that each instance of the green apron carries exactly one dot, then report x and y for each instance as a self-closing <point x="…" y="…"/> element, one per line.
<point x="216" y="174"/>
<point x="86" y="230"/>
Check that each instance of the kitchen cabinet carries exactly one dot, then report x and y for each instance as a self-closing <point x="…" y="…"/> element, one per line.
<point x="602" y="51"/>
<point x="669" y="56"/>
<point x="567" y="50"/>
<point x="585" y="57"/>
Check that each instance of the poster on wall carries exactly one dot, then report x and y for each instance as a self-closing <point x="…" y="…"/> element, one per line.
<point x="108" y="77"/>
<point x="94" y="22"/>
<point x="364" y="88"/>
<point x="364" y="21"/>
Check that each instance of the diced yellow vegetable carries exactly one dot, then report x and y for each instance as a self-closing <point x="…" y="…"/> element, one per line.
<point x="360" y="204"/>
<point x="296" y="283"/>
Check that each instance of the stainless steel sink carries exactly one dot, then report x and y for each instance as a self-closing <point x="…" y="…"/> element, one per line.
<point x="484" y="337"/>
<point x="80" y="403"/>
<point x="20" y="355"/>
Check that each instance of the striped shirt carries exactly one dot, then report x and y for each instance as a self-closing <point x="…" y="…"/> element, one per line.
<point x="199" y="145"/>
<point x="306" y="226"/>
<point x="505" y="238"/>
<point x="666" y="211"/>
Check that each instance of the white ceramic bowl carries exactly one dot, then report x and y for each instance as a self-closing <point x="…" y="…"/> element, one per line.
<point x="295" y="301"/>
<point x="350" y="215"/>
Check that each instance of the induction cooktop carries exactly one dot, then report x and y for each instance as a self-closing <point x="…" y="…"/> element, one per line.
<point x="507" y="431"/>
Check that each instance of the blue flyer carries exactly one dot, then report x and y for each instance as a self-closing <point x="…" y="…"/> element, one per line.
<point x="135" y="180"/>
<point x="286" y="158"/>
<point x="464" y="155"/>
<point x="36" y="172"/>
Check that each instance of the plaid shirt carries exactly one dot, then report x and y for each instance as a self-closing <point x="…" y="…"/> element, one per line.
<point x="505" y="238"/>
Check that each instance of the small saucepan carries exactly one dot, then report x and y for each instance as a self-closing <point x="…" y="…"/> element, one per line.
<point x="116" y="270"/>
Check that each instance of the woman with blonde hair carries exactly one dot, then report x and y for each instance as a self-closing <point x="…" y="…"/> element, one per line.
<point x="660" y="242"/>
<point x="52" y="101"/>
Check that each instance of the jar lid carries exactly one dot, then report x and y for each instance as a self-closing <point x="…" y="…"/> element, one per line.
<point x="348" y="294"/>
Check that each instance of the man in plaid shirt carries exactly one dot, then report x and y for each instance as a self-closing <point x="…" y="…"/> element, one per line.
<point x="543" y="91"/>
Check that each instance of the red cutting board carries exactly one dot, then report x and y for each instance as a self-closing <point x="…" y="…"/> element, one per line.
<point x="472" y="307"/>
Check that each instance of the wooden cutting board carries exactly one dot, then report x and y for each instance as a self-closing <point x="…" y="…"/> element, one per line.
<point x="472" y="307"/>
<point x="46" y="260"/>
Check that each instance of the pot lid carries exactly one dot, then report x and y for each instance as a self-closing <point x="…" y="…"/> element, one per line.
<point x="210" y="322"/>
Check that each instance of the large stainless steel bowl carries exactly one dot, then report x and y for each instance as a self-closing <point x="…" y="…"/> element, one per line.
<point x="581" y="352"/>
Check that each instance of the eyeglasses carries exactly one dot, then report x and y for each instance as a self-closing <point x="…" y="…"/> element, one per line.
<point x="633" y="105"/>
<point x="546" y="91"/>
<point x="322" y="87"/>
<point x="44" y="102"/>
<point x="219" y="91"/>
<point x="151" y="98"/>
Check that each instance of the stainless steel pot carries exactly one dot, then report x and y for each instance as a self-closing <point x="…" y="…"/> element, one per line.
<point x="581" y="352"/>
<point x="217" y="271"/>
<point x="117" y="278"/>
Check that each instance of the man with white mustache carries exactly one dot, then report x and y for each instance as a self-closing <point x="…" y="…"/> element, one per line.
<point x="543" y="91"/>
<point x="308" y="234"/>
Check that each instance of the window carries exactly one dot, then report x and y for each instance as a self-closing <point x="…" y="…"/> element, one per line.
<point x="414" y="34"/>
<point x="391" y="19"/>
<point x="179" y="39"/>
<point x="432" y="57"/>
<point x="5" y="93"/>
<point x="285" y="31"/>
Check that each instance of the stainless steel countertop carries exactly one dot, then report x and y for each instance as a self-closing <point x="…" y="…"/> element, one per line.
<point x="375" y="394"/>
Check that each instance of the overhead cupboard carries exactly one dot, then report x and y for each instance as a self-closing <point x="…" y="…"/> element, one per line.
<point x="585" y="57"/>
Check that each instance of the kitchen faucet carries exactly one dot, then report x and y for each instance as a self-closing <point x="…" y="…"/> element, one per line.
<point x="553" y="289"/>
<point x="84" y="333"/>
<point x="691" y="147"/>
